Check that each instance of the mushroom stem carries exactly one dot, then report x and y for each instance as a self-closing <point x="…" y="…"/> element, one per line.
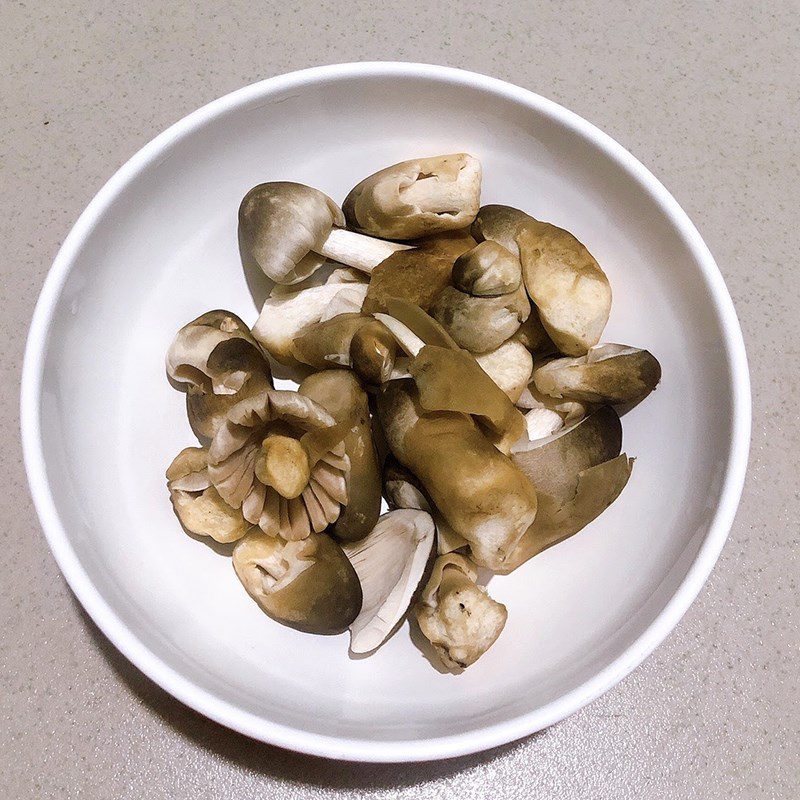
<point x="283" y="465"/>
<point x="357" y="250"/>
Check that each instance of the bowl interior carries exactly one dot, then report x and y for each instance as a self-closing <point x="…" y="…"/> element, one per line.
<point x="165" y="250"/>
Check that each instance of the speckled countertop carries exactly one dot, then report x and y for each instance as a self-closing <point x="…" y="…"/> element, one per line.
<point x="707" y="95"/>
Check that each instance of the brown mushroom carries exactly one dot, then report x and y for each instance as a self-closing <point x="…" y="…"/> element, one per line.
<point x="289" y="229"/>
<point x="488" y="270"/>
<point x="416" y="198"/>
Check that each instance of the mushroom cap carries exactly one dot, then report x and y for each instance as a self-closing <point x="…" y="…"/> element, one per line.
<point x="553" y="463"/>
<point x="390" y="563"/>
<point x="215" y="353"/>
<point x="308" y="585"/>
<point x="238" y="443"/>
<point x="608" y="373"/>
<point x="488" y="270"/>
<point x="416" y="198"/>
<point x="480" y="324"/>
<point x="456" y="615"/>
<point x="373" y="350"/>
<point x="282" y="225"/>
<point x="340" y="393"/>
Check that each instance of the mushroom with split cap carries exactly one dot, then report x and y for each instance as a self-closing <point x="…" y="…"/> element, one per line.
<point x="340" y="393"/>
<point x="197" y="503"/>
<point x="416" y="198"/>
<point x="290" y="229"/>
<point x="608" y="373"/>
<point x="456" y="615"/>
<point x="281" y="459"/>
<point x="478" y="490"/>
<point x="308" y="585"/>
<point x="390" y="563"/>
<point x="570" y="290"/>
<point x="217" y="362"/>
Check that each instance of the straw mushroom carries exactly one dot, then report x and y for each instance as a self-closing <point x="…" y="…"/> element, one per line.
<point x="289" y="229"/>
<point x="477" y="489"/>
<point x="608" y="373"/>
<point x="456" y="615"/>
<point x="373" y="353"/>
<point x="563" y="279"/>
<point x="308" y="585"/>
<point x="389" y="563"/>
<point x="197" y="503"/>
<point x="487" y="270"/>
<point x="450" y="243"/>
<point x="509" y="366"/>
<point x="281" y="459"/>
<point x="339" y="392"/>
<point x="416" y="198"/>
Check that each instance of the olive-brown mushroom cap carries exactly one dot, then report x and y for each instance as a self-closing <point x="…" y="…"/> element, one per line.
<point x="416" y="198"/>
<point x="488" y="270"/>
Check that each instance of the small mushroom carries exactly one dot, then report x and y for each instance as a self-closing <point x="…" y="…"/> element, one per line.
<point x="554" y="462"/>
<point x="283" y="317"/>
<point x="488" y="270"/>
<point x="289" y="229"/>
<point x="477" y="489"/>
<point x="197" y="503"/>
<point x="608" y="373"/>
<point x="480" y="324"/>
<point x="563" y="279"/>
<point x="416" y="198"/>
<point x="389" y="563"/>
<point x="373" y="352"/>
<point x="560" y="517"/>
<point x="417" y="276"/>
<point x="281" y="459"/>
<point x="456" y="615"/>
<point x="509" y="366"/>
<point x="339" y="392"/>
<point x="308" y="585"/>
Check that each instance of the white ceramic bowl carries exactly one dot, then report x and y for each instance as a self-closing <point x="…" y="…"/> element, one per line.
<point x="158" y="246"/>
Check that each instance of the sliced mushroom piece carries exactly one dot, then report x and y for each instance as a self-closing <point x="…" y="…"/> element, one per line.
<point x="480" y="324"/>
<point x="456" y="615"/>
<point x="608" y="373"/>
<point x="389" y="563"/>
<point x="509" y="366"/>
<point x="596" y="488"/>
<point x="339" y="392"/>
<point x="417" y="276"/>
<point x="421" y="323"/>
<point x="562" y="277"/>
<point x="417" y="198"/>
<point x="452" y="380"/>
<point x="477" y="489"/>
<point x="283" y="318"/>
<point x="553" y="463"/>
<point x="541" y="423"/>
<point x="450" y="243"/>
<point x="197" y="503"/>
<point x="326" y="345"/>
<point x="215" y="353"/>
<point x="308" y="585"/>
<point x="289" y="229"/>
<point x="488" y="270"/>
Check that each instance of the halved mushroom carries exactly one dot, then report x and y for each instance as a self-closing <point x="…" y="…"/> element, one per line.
<point x="281" y="459"/>
<point x="488" y="270"/>
<point x="417" y="275"/>
<point x="509" y="366"/>
<point x="283" y="317"/>
<point x="477" y="489"/>
<point x="416" y="198"/>
<point x="561" y="276"/>
<point x="560" y="517"/>
<point x="197" y="503"/>
<point x="339" y="392"/>
<point x="608" y="373"/>
<point x="554" y="462"/>
<point x="289" y="229"/>
<point x="308" y="585"/>
<point x="389" y="563"/>
<point x="480" y="324"/>
<point x="456" y="615"/>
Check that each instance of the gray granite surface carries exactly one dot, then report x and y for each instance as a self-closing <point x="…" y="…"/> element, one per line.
<point x="707" y="94"/>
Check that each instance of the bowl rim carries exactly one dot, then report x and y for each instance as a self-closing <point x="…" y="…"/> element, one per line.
<point x="354" y="749"/>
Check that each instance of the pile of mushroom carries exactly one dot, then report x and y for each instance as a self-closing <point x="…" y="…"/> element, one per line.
<point x="448" y="363"/>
